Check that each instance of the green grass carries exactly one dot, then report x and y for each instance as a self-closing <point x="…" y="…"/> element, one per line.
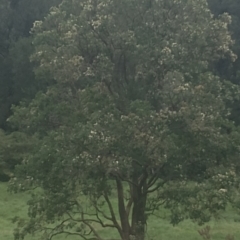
<point x="12" y="205"/>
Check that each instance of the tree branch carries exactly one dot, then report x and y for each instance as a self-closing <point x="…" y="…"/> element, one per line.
<point x="66" y="232"/>
<point x="103" y="214"/>
<point x="155" y="188"/>
<point x="121" y="207"/>
<point x="98" y="220"/>
<point x="154" y="177"/>
<point x="93" y="230"/>
<point x="114" y="220"/>
<point x="130" y="201"/>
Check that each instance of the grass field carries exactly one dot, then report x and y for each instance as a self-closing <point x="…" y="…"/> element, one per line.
<point x="12" y="205"/>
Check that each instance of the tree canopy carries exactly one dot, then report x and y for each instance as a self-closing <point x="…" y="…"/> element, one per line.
<point x="133" y="107"/>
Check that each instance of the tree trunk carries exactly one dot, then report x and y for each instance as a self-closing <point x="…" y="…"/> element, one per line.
<point x="138" y="213"/>
<point x="122" y="211"/>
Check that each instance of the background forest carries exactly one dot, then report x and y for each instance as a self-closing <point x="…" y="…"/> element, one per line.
<point x="93" y="111"/>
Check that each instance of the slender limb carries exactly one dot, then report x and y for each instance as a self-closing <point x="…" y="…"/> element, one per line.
<point x="93" y="230"/>
<point x="113" y="214"/>
<point x="98" y="220"/>
<point x="130" y="201"/>
<point x="121" y="205"/>
<point x="103" y="214"/>
<point x="154" y="177"/>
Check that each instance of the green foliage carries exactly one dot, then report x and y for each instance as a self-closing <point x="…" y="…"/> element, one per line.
<point x="26" y="12"/>
<point x="225" y="67"/>
<point x="13" y="149"/>
<point x="135" y="107"/>
<point x="17" y="80"/>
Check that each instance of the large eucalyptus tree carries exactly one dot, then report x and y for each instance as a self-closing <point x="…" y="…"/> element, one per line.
<point x="134" y="110"/>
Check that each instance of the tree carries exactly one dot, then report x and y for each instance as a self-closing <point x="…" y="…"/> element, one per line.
<point x="16" y="72"/>
<point x="225" y="68"/>
<point x="5" y="25"/>
<point x="135" y="108"/>
<point x="13" y="148"/>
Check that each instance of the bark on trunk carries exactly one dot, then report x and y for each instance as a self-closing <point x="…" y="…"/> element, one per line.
<point x="138" y="213"/>
<point x="122" y="211"/>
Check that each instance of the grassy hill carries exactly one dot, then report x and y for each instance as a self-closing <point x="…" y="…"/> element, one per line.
<point x="12" y="205"/>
